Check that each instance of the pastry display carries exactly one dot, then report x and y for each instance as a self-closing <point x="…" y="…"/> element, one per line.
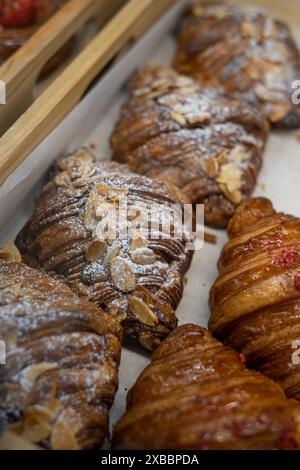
<point x="62" y="357"/>
<point x="255" y="302"/>
<point x="197" y="394"/>
<point x="134" y="278"/>
<point x="20" y="19"/>
<point x="242" y="52"/>
<point x="207" y="144"/>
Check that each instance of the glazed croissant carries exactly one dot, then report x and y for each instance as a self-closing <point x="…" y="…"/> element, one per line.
<point x="136" y="279"/>
<point x="207" y="144"/>
<point x="255" y="302"/>
<point x="197" y="394"/>
<point x="62" y="357"/>
<point x="242" y="52"/>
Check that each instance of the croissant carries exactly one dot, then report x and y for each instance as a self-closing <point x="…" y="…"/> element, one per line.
<point x="62" y="357"/>
<point x="207" y="144"/>
<point x="197" y="394"/>
<point x="243" y="52"/>
<point x="138" y="280"/>
<point x="255" y="302"/>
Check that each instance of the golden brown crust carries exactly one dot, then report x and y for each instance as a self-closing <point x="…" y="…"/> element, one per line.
<point x="244" y="53"/>
<point x="207" y="144"/>
<point x="63" y="353"/>
<point x="140" y="281"/>
<point x="255" y="301"/>
<point x="197" y="394"/>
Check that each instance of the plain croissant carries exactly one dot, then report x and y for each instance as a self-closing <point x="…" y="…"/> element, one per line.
<point x="197" y="394"/>
<point x="136" y="278"/>
<point x="255" y="302"/>
<point x="206" y="143"/>
<point x="62" y="357"/>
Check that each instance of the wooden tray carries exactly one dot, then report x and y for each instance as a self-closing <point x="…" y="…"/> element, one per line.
<point x="21" y="71"/>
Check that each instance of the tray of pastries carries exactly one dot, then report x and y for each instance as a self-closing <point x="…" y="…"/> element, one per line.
<point x="149" y="342"/>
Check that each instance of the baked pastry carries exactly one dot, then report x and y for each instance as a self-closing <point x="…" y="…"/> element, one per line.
<point x="62" y="357"/>
<point x="197" y="394"/>
<point x="209" y="145"/>
<point x="243" y="52"/>
<point x="135" y="277"/>
<point x="255" y="302"/>
<point x="20" y="19"/>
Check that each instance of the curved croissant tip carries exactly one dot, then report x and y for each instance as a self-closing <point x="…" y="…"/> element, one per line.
<point x="248" y="213"/>
<point x="9" y="252"/>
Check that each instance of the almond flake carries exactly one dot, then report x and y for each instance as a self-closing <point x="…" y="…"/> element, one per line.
<point x="62" y="179"/>
<point x="143" y="256"/>
<point x="179" y="118"/>
<point x="142" y="311"/>
<point x="64" y="430"/>
<point x="89" y="217"/>
<point x="31" y="373"/>
<point x="197" y="10"/>
<point x="122" y="275"/>
<point x="81" y="182"/>
<point x="185" y="82"/>
<point x="95" y="250"/>
<point x="138" y="242"/>
<point x="278" y="111"/>
<point x="237" y="154"/>
<point x="148" y="341"/>
<point x="10" y="252"/>
<point x="234" y="196"/>
<point x="230" y="176"/>
<point x="112" y="253"/>
<point x="143" y="293"/>
<point x="36" y="428"/>
<point x="102" y="189"/>
<point x="116" y="194"/>
<point x="212" y="167"/>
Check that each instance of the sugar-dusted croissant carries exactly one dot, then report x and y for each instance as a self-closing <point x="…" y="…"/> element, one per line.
<point x="255" y="302"/>
<point x="207" y="144"/>
<point x="138" y="279"/>
<point x="62" y="357"/>
<point x="243" y="52"/>
<point x="197" y="394"/>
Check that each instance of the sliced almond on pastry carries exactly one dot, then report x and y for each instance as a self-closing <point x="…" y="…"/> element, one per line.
<point x="121" y="275"/>
<point x="95" y="250"/>
<point x="10" y="252"/>
<point x="142" y="311"/>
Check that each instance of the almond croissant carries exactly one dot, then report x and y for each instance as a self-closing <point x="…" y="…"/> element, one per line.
<point x="62" y="357"/>
<point x="138" y="280"/>
<point x="243" y="52"/>
<point x="255" y="302"/>
<point x="207" y="144"/>
<point x="197" y="394"/>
